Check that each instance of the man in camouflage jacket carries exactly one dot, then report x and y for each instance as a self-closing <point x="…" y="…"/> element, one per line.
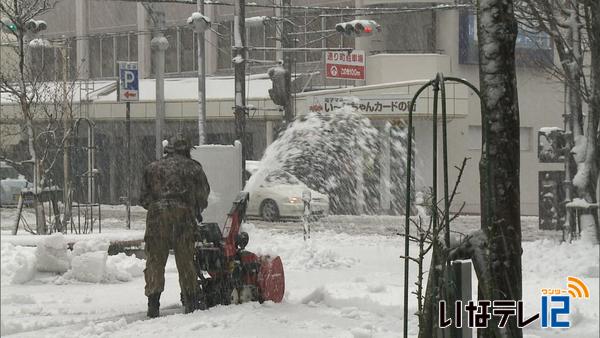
<point x="174" y="191"/>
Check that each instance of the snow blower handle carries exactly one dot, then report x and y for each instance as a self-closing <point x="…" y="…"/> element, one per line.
<point x="233" y="223"/>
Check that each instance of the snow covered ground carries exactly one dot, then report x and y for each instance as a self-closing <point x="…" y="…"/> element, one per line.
<point x="346" y="281"/>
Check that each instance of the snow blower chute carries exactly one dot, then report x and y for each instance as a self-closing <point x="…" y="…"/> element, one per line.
<point x="229" y="274"/>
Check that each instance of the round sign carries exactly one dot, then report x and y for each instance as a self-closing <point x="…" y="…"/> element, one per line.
<point x="334" y="71"/>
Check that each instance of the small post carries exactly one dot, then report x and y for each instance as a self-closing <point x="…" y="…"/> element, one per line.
<point x="128" y="134"/>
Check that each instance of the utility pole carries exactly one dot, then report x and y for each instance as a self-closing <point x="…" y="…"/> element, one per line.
<point x="159" y="44"/>
<point x="239" y="61"/>
<point x="201" y="80"/>
<point x="286" y="41"/>
<point x="67" y="123"/>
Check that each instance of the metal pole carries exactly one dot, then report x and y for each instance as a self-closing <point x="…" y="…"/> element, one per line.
<point x="239" y="50"/>
<point x="128" y="135"/>
<point x="324" y="54"/>
<point x="287" y="59"/>
<point x="159" y="44"/>
<point x="67" y="119"/>
<point x="449" y="290"/>
<point x="201" y="82"/>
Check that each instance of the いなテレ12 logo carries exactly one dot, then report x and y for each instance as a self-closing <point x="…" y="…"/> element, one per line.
<point x="556" y="303"/>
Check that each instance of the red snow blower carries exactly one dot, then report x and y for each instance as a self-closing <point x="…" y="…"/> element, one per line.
<point x="229" y="274"/>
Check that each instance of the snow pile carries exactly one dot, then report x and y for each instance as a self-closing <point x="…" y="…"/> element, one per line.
<point x="314" y="257"/>
<point x="569" y="255"/>
<point x="298" y="255"/>
<point x="103" y="329"/>
<point x="89" y="261"/>
<point x="18" y="264"/>
<point x="18" y="299"/>
<point x="52" y="254"/>
<point x="91" y="245"/>
<point x="88" y="267"/>
<point x="124" y="268"/>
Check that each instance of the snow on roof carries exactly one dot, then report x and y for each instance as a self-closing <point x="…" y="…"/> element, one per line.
<point x="176" y="89"/>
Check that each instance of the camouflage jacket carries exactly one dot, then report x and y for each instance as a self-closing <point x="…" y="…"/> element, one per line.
<point x="175" y="179"/>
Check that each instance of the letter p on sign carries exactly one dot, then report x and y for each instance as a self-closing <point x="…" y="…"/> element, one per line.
<point x="128" y="81"/>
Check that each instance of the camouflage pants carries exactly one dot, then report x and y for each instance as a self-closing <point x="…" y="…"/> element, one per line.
<point x="169" y="227"/>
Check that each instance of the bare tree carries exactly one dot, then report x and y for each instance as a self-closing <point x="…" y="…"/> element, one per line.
<point x="569" y="23"/>
<point x="496" y="249"/>
<point x="42" y="104"/>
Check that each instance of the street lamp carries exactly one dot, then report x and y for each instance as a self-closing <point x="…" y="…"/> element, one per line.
<point x="199" y="24"/>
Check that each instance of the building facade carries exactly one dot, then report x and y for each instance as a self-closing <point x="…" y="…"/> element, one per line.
<point x="411" y="47"/>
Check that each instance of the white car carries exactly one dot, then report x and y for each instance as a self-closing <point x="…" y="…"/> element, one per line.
<point x="279" y="195"/>
<point x="11" y="184"/>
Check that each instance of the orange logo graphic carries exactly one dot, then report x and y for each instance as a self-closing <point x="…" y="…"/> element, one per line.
<point x="577" y="288"/>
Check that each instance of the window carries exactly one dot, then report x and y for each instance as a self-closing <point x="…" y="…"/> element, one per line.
<point x="188" y="50"/>
<point x="531" y="49"/>
<point x="171" y="61"/>
<point x="108" y="57"/>
<point x="405" y="32"/>
<point x="107" y="50"/>
<point x="224" y="44"/>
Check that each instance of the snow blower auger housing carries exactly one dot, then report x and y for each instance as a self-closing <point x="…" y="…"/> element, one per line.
<point x="227" y="273"/>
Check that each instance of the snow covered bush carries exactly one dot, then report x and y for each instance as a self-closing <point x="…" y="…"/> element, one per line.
<point x="18" y="264"/>
<point x="52" y="254"/>
<point x="124" y="268"/>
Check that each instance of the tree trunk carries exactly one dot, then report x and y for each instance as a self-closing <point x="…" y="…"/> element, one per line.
<point x="594" y="107"/>
<point x="497" y="32"/>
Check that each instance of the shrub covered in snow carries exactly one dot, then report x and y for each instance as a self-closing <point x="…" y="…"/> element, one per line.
<point x="88" y="267"/>
<point x="52" y="254"/>
<point x="18" y="264"/>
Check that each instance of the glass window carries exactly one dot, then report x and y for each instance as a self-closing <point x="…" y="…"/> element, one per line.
<point x="108" y="57"/>
<point x="187" y="51"/>
<point x="281" y="177"/>
<point x="224" y="44"/>
<point x="122" y="48"/>
<point x="8" y="172"/>
<point x="171" y="52"/>
<point x="406" y="32"/>
<point x="133" y="45"/>
<point x="531" y="48"/>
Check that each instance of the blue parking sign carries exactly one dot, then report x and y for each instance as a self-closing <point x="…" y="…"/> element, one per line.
<point x="128" y="81"/>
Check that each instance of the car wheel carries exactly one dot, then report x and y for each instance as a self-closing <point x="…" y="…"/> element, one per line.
<point x="269" y="211"/>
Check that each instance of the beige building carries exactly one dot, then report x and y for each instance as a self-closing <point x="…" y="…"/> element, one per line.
<point x="411" y="48"/>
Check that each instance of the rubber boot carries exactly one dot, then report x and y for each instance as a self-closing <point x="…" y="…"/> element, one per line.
<point x="153" y="305"/>
<point x="189" y="305"/>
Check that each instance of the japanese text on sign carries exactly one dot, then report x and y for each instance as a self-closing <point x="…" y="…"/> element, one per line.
<point x="384" y="104"/>
<point x="343" y="65"/>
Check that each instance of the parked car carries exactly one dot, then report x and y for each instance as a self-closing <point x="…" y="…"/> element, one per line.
<point x="11" y="184"/>
<point x="279" y="195"/>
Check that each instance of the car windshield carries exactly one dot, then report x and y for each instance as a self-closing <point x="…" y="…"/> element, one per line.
<point x="8" y="172"/>
<point x="280" y="177"/>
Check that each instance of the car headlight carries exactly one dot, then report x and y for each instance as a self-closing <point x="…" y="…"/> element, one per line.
<point x="295" y="200"/>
